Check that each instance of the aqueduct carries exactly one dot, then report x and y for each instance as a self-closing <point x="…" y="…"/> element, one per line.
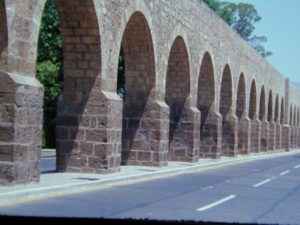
<point x="194" y="88"/>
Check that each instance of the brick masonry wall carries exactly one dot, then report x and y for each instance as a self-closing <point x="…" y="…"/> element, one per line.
<point x="97" y="130"/>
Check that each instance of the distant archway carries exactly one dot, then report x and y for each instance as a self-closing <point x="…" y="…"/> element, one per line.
<point x="276" y="116"/>
<point x="282" y="111"/>
<point x="270" y="117"/>
<point x="252" y="102"/>
<point x="270" y="107"/>
<point x="241" y="97"/>
<point x="262" y="104"/>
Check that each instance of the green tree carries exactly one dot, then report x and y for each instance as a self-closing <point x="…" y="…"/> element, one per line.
<point x="241" y="17"/>
<point x="49" y="69"/>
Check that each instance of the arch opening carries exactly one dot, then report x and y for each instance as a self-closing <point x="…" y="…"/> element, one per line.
<point x="228" y="124"/>
<point x="270" y="107"/>
<point x="3" y="35"/>
<point x="276" y="115"/>
<point x="78" y="114"/>
<point x="241" y="97"/>
<point x="278" y="128"/>
<point x="177" y="92"/>
<point x="206" y="88"/>
<point x="139" y="64"/>
<point x="252" y="102"/>
<point x="262" y="104"/>
<point x="282" y="111"/>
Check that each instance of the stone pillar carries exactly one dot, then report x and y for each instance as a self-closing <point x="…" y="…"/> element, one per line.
<point x="89" y="134"/>
<point x="185" y="141"/>
<point x="230" y="135"/>
<point x="145" y="140"/>
<point x="211" y="135"/>
<point x="244" y="139"/>
<point x="278" y="135"/>
<point x="265" y="127"/>
<point x="286" y="137"/>
<point x="295" y="136"/>
<point x="255" y="134"/>
<point x="292" y="136"/>
<point x="21" y="117"/>
<point x="272" y="133"/>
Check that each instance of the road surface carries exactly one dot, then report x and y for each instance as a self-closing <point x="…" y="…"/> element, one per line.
<point x="262" y="191"/>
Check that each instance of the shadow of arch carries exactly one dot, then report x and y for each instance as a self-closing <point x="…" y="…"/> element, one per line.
<point x="244" y="126"/>
<point x="79" y="106"/>
<point x="276" y="115"/>
<point x="270" y="106"/>
<point x="264" y="140"/>
<point x="139" y="82"/>
<point x="3" y="35"/>
<point x="272" y="127"/>
<point x="210" y="141"/>
<point x="228" y="129"/>
<point x="262" y="104"/>
<point x="177" y="92"/>
<point x="241" y="97"/>
<point x="282" y="111"/>
<point x="278" y="127"/>
<point x="252" y="101"/>
<point x="206" y="88"/>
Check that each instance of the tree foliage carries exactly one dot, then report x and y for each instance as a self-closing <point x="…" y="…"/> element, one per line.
<point x="241" y="17"/>
<point x="49" y="69"/>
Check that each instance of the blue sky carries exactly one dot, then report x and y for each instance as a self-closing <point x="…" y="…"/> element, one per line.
<point x="281" y="25"/>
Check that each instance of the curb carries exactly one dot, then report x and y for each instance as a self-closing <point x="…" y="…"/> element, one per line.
<point x="56" y="190"/>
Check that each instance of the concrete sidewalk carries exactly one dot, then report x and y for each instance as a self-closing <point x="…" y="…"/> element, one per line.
<point x="52" y="184"/>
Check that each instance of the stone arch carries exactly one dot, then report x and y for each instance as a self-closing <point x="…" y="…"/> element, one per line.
<point x="244" y="128"/>
<point x="210" y="120"/>
<point x="262" y="104"/>
<point x="298" y="117"/>
<point x="295" y="127"/>
<point x="177" y="92"/>
<point x="229" y="128"/>
<point x="291" y="115"/>
<point x="270" y="107"/>
<point x="282" y="111"/>
<point x="206" y="88"/>
<point x="276" y="115"/>
<point x="270" y="118"/>
<point x="255" y="122"/>
<point x="295" y="116"/>
<point x="139" y="84"/>
<point x="241" y="97"/>
<point x="298" y="127"/>
<point x="3" y="36"/>
<point x="277" y="123"/>
<point x="252" y="101"/>
<point x="264" y="140"/>
<point x="226" y="92"/>
<point x="80" y="106"/>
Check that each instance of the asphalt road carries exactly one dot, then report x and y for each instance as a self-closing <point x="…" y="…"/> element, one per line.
<point x="264" y="191"/>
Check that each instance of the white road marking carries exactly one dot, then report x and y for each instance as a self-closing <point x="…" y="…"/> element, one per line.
<point x="216" y="203"/>
<point x="285" y="172"/>
<point x="296" y="167"/>
<point x="261" y="183"/>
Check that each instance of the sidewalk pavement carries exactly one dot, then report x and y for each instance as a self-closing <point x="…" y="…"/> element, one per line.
<point x="55" y="184"/>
